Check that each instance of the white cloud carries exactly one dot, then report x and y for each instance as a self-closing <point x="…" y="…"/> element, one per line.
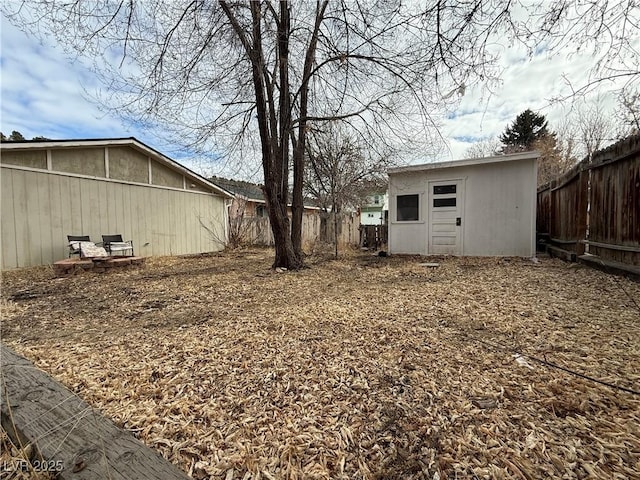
<point x="524" y="84"/>
<point x="42" y="94"/>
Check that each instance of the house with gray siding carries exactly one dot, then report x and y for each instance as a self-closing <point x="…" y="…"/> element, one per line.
<point x="51" y="189"/>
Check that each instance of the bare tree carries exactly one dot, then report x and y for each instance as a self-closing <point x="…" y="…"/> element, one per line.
<point x="217" y="73"/>
<point x="586" y="127"/>
<point x="594" y="127"/>
<point x="554" y="159"/>
<point x="341" y="170"/>
<point x="239" y="223"/>
<point x="484" y="148"/>
<point x="629" y="113"/>
<point x="608" y="30"/>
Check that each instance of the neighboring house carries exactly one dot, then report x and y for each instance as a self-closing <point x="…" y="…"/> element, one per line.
<point x="51" y="189"/>
<point x="484" y="207"/>
<point x="249" y="201"/>
<point x="375" y="209"/>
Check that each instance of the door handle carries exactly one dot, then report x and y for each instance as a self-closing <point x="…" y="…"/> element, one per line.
<point x="458" y="221"/>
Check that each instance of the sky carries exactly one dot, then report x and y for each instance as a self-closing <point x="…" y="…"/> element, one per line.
<point x="42" y="93"/>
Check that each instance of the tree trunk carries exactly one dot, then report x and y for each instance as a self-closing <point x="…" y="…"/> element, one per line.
<point x="285" y="254"/>
<point x="274" y="153"/>
<point x="297" y="206"/>
<point x="274" y="136"/>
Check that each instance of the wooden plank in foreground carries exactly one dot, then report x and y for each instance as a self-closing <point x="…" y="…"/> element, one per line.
<point x="66" y="430"/>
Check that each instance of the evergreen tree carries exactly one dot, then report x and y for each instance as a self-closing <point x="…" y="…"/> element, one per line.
<point x="16" y="137"/>
<point x="527" y="128"/>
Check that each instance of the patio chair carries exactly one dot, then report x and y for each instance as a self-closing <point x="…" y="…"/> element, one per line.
<point x="74" y="243"/>
<point x="116" y="246"/>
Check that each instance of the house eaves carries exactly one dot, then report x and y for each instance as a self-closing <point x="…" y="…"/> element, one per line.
<point x="307" y="206"/>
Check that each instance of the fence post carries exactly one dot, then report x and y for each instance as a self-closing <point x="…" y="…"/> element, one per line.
<point x="583" y="202"/>
<point x="552" y="209"/>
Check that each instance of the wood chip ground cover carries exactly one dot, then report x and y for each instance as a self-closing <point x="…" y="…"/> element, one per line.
<point x="358" y="368"/>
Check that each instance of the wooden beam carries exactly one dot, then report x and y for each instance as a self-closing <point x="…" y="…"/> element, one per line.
<point x="611" y="267"/>
<point x="566" y="255"/>
<point x="611" y="246"/>
<point x="73" y="438"/>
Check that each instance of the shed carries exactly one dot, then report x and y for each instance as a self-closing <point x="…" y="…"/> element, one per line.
<point x="472" y="207"/>
<point x="51" y="189"/>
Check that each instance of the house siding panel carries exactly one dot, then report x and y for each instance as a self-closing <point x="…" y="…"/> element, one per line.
<point x="128" y="164"/>
<point x="83" y="161"/>
<point x="165" y="177"/>
<point x="7" y="230"/>
<point x="31" y="159"/>
<point x="500" y="209"/>
<point x="40" y="208"/>
<point x="408" y="237"/>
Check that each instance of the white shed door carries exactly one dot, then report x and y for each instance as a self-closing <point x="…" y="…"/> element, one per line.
<point x="445" y="217"/>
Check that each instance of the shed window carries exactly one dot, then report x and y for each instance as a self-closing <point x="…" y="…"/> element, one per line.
<point x="407" y="208"/>
<point x="444" y="202"/>
<point x="443" y="189"/>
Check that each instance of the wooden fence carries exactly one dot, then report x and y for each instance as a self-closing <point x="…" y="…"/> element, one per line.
<point x="347" y="225"/>
<point x="315" y="227"/>
<point x="596" y="205"/>
<point x="374" y="236"/>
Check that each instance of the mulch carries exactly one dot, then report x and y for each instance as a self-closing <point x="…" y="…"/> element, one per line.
<point x="357" y="368"/>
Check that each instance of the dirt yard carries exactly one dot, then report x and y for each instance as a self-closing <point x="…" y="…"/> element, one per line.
<point x="359" y="368"/>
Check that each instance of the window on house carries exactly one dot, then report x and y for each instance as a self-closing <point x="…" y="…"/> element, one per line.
<point x="444" y="202"/>
<point x="261" y="211"/>
<point x="376" y="199"/>
<point x="407" y="208"/>
<point x="442" y="189"/>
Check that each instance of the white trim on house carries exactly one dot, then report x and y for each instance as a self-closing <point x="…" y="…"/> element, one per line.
<point x="467" y="162"/>
<point x="130" y="142"/>
<point x="393" y="214"/>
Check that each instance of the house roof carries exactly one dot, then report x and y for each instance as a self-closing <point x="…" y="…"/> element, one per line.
<point x="127" y="142"/>
<point x="251" y="191"/>
<point x="466" y="162"/>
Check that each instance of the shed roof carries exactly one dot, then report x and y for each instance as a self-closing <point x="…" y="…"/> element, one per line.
<point x="466" y="162"/>
<point x="120" y="142"/>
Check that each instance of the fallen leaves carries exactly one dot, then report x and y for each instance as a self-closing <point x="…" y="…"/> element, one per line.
<point x="363" y="367"/>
